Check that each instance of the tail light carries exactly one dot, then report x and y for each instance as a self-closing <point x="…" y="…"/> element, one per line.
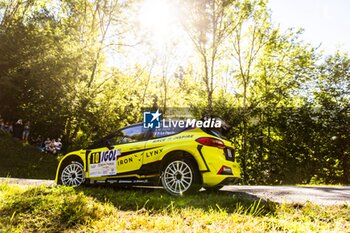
<point x="211" y="142"/>
<point x="225" y="171"/>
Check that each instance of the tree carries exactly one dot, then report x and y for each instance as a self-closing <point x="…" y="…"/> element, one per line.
<point x="208" y="23"/>
<point x="332" y="99"/>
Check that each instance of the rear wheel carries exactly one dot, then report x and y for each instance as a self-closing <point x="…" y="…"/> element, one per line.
<point x="72" y="174"/>
<point x="180" y="176"/>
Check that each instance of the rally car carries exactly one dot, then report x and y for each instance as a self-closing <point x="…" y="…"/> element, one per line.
<point x="182" y="160"/>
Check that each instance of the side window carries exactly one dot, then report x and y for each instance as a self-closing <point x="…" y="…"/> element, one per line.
<point x="130" y="134"/>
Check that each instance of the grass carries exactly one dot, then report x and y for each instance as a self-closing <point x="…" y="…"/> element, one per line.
<point x="96" y="209"/>
<point x="24" y="161"/>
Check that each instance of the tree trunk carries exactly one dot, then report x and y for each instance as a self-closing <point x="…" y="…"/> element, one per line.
<point x="345" y="166"/>
<point x="244" y="138"/>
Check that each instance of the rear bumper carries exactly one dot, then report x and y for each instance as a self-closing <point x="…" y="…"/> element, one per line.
<point x="230" y="181"/>
<point x="214" y="160"/>
<point x="209" y="179"/>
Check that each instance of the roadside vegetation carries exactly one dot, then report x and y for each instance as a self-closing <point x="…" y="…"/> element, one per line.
<point x="20" y="160"/>
<point x="66" y="209"/>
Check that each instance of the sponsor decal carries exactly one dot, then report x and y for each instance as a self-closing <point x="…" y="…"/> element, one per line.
<point x="125" y="161"/>
<point x="159" y="140"/>
<point x="104" y="163"/>
<point x="180" y="137"/>
<point x="153" y="153"/>
<point x="109" y="155"/>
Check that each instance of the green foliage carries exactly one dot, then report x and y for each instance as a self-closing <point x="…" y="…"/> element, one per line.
<point x="57" y="209"/>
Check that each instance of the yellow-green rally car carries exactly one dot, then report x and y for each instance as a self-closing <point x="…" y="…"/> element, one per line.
<point x="181" y="159"/>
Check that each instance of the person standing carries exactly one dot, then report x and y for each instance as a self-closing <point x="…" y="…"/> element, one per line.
<point x="2" y="126"/>
<point x="18" y="129"/>
<point x="10" y="127"/>
<point x="26" y="131"/>
<point x="7" y="127"/>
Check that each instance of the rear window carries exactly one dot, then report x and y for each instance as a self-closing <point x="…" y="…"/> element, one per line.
<point x="215" y="132"/>
<point x="221" y="132"/>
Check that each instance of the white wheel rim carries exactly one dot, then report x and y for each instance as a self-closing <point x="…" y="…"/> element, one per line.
<point x="177" y="177"/>
<point x="73" y="175"/>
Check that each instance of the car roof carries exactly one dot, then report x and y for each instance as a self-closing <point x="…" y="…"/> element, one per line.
<point x="128" y="126"/>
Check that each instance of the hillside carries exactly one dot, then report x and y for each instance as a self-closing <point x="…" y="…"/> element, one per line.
<point x="25" y="161"/>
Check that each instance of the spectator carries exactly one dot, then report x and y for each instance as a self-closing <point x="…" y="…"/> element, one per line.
<point x="2" y="126"/>
<point x="18" y="129"/>
<point x="47" y="144"/>
<point x="10" y="128"/>
<point x="52" y="146"/>
<point x="26" y="131"/>
<point x="58" y="146"/>
<point x="7" y="127"/>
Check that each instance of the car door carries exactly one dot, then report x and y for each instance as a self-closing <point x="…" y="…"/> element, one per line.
<point x="121" y="154"/>
<point x="159" y="139"/>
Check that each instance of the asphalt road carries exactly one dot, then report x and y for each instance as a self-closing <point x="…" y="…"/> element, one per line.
<point x="324" y="195"/>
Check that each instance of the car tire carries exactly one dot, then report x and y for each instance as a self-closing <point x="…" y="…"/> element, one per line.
<point x="180" y="176"/>
<point x="72" y="174"/>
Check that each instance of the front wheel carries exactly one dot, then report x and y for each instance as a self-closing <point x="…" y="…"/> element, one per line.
<point x="180" y="176"/>
<point x="72" y="174"/>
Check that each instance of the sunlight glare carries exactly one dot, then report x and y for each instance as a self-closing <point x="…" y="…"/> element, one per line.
<point x="159" y="18"/>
